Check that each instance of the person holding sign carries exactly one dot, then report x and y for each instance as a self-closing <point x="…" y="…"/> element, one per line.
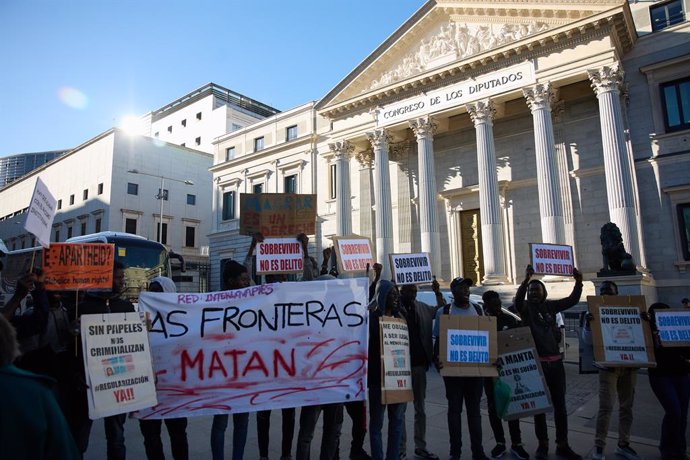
<point x="387" y="300"/>
<point x="459" y="389"/>
<point x="492" y="306"/>
<point x="670" y="382"/>
<point x="540" y="315"/>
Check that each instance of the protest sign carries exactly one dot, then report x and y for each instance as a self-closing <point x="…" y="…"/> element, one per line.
<point x="279" y="255"/>
<point x="551" y="259"/>
<point x="353" y="253"/>
<point x="277" y="214"/>
<point x="621" y="337"/>
<point x="468" y="346"/>
<point x="41" y="213"/>
<point x="71" y="266"/>
<point x="520" y="369"/>
<point x="396" y="371"/>
<point x="411" y="268"/>
<point x="117" y="359"/>
<point x="674" y="327"/>
<point x="263" y="347"/>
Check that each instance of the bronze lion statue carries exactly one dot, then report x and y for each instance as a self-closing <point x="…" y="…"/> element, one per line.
<point x="614" y="256"/>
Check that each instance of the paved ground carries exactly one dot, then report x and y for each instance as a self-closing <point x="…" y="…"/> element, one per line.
<point x="582" y="403"/>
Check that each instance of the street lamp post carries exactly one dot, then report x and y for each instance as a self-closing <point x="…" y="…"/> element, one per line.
<point x="161" y="195"/>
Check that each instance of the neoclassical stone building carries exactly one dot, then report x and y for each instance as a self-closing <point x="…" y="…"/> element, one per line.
<point x="479" y="127"/>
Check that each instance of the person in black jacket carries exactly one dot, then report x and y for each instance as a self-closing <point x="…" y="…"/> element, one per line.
<point x="540" y="315"/>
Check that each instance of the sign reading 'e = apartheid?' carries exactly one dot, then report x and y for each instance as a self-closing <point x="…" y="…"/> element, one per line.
<point x="117" y="359"/>
<point x="551" y="259"/>
<point x="72" y="266"/>
<point x="411" y="268"/>
<point x="279" y="255"/>
<point x="277" y="214"/>
<point x="353" y="253"/>
<point x="395" y="363"/>
<point x="468" y="346"/>
<point x="674" y="327"/>
<point x="620" y="336"/>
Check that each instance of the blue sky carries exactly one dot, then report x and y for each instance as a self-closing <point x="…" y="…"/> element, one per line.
<point x="72" y="69"/>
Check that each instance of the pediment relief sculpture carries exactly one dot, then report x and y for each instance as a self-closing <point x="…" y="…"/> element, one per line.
<point x="455" y="41"/>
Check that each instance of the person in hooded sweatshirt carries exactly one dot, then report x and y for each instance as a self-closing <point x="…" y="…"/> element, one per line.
<point x="386" y="303"/>
<point x="177" y="427"/>
<point x="540" y="315"/>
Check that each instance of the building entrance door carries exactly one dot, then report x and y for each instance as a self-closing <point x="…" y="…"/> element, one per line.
<point x="471" y="245"/>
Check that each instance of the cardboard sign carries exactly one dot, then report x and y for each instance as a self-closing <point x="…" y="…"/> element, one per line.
<point x="468" y="346"/>
<point x="621" y="338"/>
<point x="674" y="327"/>
<point x="39" y="219"/>
<point x="277" y="214"/>
<point x="411" y="268"/>
<point x="117" y="360"/>
<point x="353" y="253"/>
<point x="264" y="347"/>
<point x="279" y="255"/>
<point x="520" y="369"/>
<point x="396" y="370"/>
<point x="551" y="259"/>
<point x="72" y="266"/>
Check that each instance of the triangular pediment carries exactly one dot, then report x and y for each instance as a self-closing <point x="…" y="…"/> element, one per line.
<point x="443" y="33"/>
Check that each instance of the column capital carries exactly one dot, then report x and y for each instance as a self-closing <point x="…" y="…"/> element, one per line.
<point x="481" y="111"/>
<point x="541" y="96"/>
<point x="423" y="127"/>
<point x="379" y="138"/>
<point x="341" y="149"/>
<point x="606" y="79"/>
<point x="399" y="151"/>
<point x="365" y="158"/>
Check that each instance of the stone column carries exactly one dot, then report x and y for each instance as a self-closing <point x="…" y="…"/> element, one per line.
<point x="617" y="169"/>
<point x="380" y="140"/>
<point x="343" y="208"/>
<point x="539" y="99"/>
<point x="366" y="199"/>
<point x="482" y="114"/>
<point x="424" y="129"/>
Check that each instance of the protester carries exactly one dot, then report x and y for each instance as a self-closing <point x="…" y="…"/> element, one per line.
<point x="31" y="423"/>
<point x="504" y="321"/>
<point x="685" y="302"/>
<point x="459" y="389"/>
<point x="612" y="380"/>
<point x="540" y="315"/>
<point x="420" y="319"/>
<point x="235" y="276"/>
<point x="386" y="303"/>
<point x="670" y="382"/>
<point x="177" y="427"/>
<point x="99" y="303"/>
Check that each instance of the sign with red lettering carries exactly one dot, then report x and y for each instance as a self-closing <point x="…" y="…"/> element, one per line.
<point x="551" y="259"/>
<point x="411" y="268"/>
<point x="264" y="347"/>
<point x="277" y="214"/>
<point x="279" y="255"/>
<point x="353" y="253"/>
<point x="117" y="360"/>
<point x="396" y="370"/>
<point x="620" y="336"/>
<point x="72" y="266"/>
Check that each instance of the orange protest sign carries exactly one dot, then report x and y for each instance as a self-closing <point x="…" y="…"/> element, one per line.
<point x="70" y="266"/>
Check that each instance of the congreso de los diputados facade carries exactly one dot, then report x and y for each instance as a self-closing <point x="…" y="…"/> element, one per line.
<point x="479" y="127"/>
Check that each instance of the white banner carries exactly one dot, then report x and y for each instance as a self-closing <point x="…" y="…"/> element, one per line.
<point x="622" y="334"/>
<point x="551" y="259"/>
<point x="263" y="347"/>
<point x="411" y="268"/>
<point x="117" y="360"/>
<point x="279" y="255"/>
<point x="39" y="219"/>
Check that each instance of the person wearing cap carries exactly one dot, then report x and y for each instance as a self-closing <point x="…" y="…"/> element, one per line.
<point x="540" y="315"/>
<point x="459" y="389"/>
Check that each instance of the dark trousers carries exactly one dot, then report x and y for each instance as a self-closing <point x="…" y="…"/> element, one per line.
<point x="467" y="390"/>
<point x="80" y="426"/>
<point x="332" y="423"/>
<point x="357" y="410"/>
<point x="554" y="374"/>
<point x="263" y="425"/>
<point x="495" y="420"/>
<point x="177" y="430"/>
<point x="673" y="392"/>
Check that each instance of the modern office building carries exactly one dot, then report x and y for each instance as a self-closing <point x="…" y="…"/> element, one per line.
<point x="15" y="166"/>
